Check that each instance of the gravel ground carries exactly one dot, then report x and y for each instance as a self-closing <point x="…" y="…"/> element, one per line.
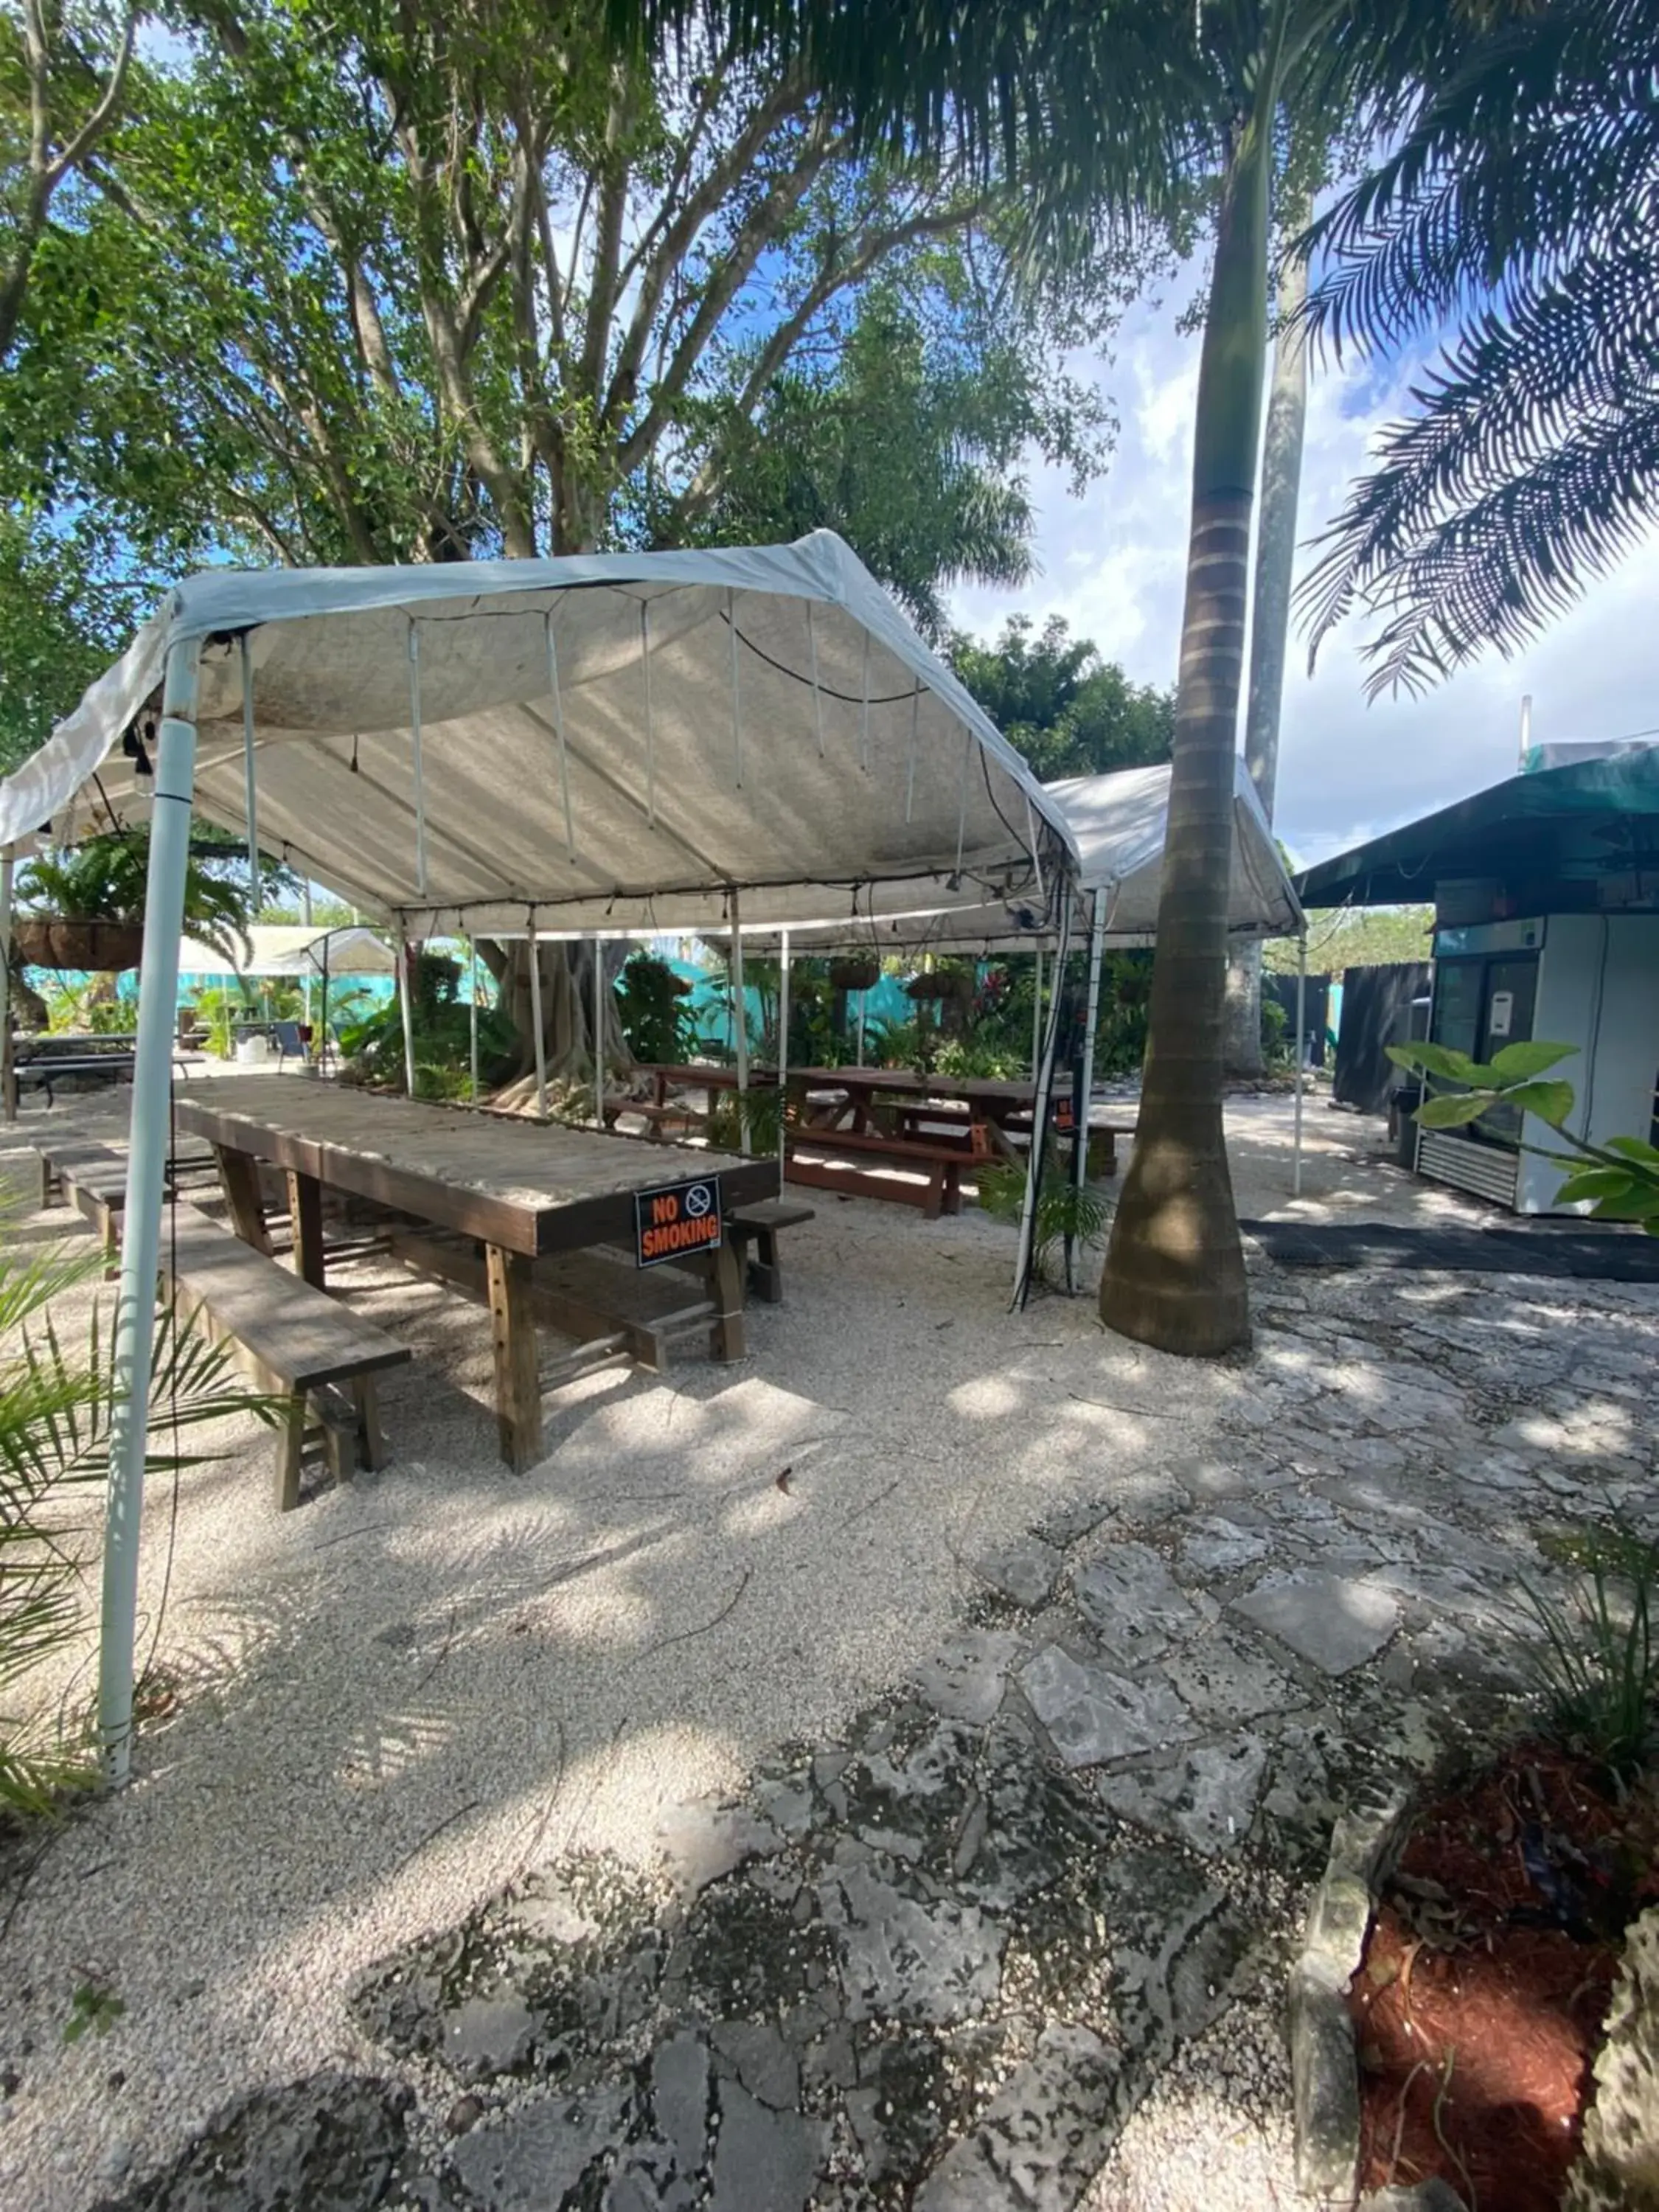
<point x="396" y="1697"/>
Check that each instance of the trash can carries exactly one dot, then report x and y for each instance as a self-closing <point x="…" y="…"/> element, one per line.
<point x="1403" y="1102"/>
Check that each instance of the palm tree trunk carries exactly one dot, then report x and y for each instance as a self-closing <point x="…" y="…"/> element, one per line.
<point x="1174" y="1268"/>
<point x="1270" y="611"/>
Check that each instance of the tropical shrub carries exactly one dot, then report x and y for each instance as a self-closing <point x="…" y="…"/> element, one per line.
<point x="1063" y="1211"/>
<point x="651" y="1004"/>
<point x="1597" y="1662"/>
<point x="54" y="1466"/>
<point x="372" y="1045"/>
<point x="104" y="879"/>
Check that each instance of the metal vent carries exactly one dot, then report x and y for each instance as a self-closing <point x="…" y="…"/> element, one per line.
<point x="1481" y="1169"/>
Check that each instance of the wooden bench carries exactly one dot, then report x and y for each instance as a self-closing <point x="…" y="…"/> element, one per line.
<point x="940" y="1193"/>
<point x="92" y="1179"/>
<point x="684" y="1120"/>
<point x="758" y="1225"/>
<point x="293" y="1341"/>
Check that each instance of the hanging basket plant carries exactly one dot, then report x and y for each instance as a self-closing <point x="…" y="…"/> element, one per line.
<point x="89" y="907"/>
<point x="944" y="983"/>
<point x="854" y="975"/>
<point x="91" y="947"/>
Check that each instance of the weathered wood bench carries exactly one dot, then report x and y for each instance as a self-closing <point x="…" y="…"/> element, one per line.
<point x="92" y="1179"/>
<point x="759" y="1223"/>
<point x="661" y="1120"/>
<point x="941" y="1191"/>
<point x="292" y="1341"/>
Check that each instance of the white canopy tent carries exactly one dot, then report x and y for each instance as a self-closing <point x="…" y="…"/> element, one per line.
<point x="296" y="950"/>
<point x="1118" y="824"/>
<point x="620" y="741"/>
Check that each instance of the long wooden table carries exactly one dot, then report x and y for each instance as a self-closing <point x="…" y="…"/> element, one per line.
<point x="521" y="1191"/>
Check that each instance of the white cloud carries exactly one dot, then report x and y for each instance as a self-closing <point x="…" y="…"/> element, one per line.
<point x="1113" y="564"/>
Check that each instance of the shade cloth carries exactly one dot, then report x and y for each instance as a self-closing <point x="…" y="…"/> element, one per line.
<point x="1118" y="824"/>
<point x="298" y="948"/>
<point x="614" y="738"/>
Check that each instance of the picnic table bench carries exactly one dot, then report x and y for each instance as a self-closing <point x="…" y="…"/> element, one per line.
<point x="506" y="1197"/>
<point x="293" y="1340"/>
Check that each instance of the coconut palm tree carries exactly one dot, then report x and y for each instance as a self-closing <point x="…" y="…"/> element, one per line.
<point x="1518" y="209"/>
<point x="1118" y="112"/>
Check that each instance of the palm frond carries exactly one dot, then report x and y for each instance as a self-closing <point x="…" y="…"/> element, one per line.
<point x="1526" y="158"/>
<point x="1532" y="466"/>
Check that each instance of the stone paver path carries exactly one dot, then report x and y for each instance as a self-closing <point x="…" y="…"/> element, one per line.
<point x="936" y="1961"/>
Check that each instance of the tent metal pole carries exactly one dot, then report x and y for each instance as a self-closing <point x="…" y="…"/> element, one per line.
<point x="916" y="740"/>
<point x="472" y="1011"/>
<point x="250" y="781"/>
<point x="406" y="992"/>
<point x="739" y="1019"/>
<point x="818" y="696"/>
<point x="141" y="1240"/>
<point x="535" y="959"/>
<point x="8" y="1078"/>
<point x="1037" y="1016"/>
<point x="322" y="1022"/>
<point x="305" y="916"/>
<point x="863" y="1000"/>
<point x="650" y="721"/>
<point x="599" y="1033"/>
<point x="1042" y="1094"/>
<point x="558" y="736"/>
<point x="416" y="761"/>
<point x="1090" y="1020"/>
<point x="783" y="1052"/>
<point x="737" y="688"/>
<point x="1300" y="1017"/>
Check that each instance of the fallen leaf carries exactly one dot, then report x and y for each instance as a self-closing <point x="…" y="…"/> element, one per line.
<point x="782" y="1483"/>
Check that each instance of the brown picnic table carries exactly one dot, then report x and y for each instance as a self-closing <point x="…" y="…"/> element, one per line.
<point x="501" y="1209"/>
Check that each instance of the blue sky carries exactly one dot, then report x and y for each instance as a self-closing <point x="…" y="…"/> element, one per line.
<point x="1113" y="564"/>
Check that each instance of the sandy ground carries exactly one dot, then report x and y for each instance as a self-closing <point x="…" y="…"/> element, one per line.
<point x="399" y="1694"/>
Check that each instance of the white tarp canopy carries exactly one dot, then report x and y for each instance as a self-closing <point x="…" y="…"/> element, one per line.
<point x="296" y="948"/>
<point x="608" y="739"/>
<point x="1117" y="824"/>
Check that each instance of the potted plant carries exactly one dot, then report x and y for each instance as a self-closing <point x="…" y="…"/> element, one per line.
<point x="855" y="974"/>
<point x="89" y="906"/>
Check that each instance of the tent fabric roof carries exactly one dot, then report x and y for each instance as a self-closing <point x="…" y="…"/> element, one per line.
<point x="1118" y="824"/>
<point x="762" y="717"/>
<point x="1545" y="822"/>
<point x="281" y="948"/>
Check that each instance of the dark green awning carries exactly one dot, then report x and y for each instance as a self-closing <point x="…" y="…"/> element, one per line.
<point x="1590" y="818"/>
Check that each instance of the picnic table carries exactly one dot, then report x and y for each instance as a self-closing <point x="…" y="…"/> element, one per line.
<point x="497" y="1208"/>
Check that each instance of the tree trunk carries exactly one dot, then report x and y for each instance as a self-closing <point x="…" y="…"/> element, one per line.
<point x="1270" y="613"/>
<point x="567" y="979"/>
<point x="1174" y="1268"/>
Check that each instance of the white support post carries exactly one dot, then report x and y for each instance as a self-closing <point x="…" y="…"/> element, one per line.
<point x="1091" y="1020"/>
<point x="1301" y="1019"/>
<point x="8" y="1075"/>
<point x="415" y="755"/>
<point x="250" y="782"/>
<point x="599" y="1032"/>
<point x="863" y="1000"/>
<point x="406" y="996"/>
<point x="1037" y="1016"/>
<point x="783" y="1050"/>
<point x="140" y="1237"/>
<point x="472" y="1012"/>
<point x="910" y="766"/>
<point x="305" y="916"/>
<point x="737" y="687"/>
<point x="740" y="1020"/>
<point x="864" y="711"/>
<point x="813" y="656"/>
<point x="535" y="956"/>
<point x="558" y="737"/>
<point x="650" y="719"/>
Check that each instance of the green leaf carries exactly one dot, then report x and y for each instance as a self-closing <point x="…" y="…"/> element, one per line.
<point x="1632" y="1148"/>
<point x="1437" y="1060"/>
<point x="1451" y="1112"/>
<point x="1592" y="1182"/>
<point x="1550" y="1102"/>
<point x="1516" y="1063"/>
<point x="1635" y="1203"/>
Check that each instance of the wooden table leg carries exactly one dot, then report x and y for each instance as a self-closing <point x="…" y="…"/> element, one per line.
<point x="726" y="1339"/>
<point x="239" y="1177"/>
<point x="305" y="1207"/>
<point x="518" y="1374"/>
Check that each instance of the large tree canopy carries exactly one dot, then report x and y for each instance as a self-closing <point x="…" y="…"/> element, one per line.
<point x="1070" y="712"/>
